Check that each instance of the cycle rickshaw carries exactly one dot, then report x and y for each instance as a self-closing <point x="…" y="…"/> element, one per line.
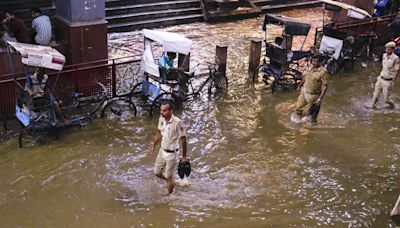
<point x="338" y="41"/>
<point x="281" y="65"/>
<point x="155" y="87"/>
<point x="38" y="113"/>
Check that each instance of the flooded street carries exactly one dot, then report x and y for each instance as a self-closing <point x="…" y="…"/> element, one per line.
<point x="250" y="166"/>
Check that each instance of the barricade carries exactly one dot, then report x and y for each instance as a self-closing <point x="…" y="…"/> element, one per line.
<point x="118" y="75"/>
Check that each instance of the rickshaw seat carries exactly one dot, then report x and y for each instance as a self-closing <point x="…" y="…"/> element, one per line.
<point x="42" y="103"/>
<point x="162" y="79"/>
<point x="270" y="69"/>
<point x="276" y="54"/>
<point x="169" y="81"/>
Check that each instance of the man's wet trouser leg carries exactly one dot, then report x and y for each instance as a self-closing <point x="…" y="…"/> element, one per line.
<point x="377" y="93"/>
<point x="301" y="103"/>
<point x="313" y="112"/>
<point x="386" y="94"/>
<point x="305" y="101"/>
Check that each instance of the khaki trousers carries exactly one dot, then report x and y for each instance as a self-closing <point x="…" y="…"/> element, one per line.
<point x="382" y="86"/>
<point x="165" y="164"/>
<point x="305" y="101"/>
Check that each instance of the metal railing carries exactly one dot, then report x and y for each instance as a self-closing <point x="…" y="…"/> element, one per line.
<point x="118" y="75"/>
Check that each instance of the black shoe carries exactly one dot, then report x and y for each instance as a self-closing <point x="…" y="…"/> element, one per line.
<point x="184" y="169"/>
<point x="390" y="105"/>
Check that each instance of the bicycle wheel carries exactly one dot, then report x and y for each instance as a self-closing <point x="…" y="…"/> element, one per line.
<point x="258" y="72"/>
<point x="136" y="96"/>
<point x="160" y="99"/>
<point x="136" y="90"/>
<point x="118" y="108"/>
<point x="290" y="80"/>
<point x="34" y="134"/>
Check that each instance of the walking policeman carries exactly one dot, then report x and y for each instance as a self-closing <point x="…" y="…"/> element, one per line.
<point x="385" y="81"/>
<point x="312" y="90"/>
<point x="171" y="132"/>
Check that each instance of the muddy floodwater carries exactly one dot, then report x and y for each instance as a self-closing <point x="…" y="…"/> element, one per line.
<point x="251" y="167"/>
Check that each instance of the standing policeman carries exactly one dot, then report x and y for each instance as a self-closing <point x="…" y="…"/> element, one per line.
<point x="171" y="132"/>
<point x="312" y="89"/>
<point x="385" y="81"/>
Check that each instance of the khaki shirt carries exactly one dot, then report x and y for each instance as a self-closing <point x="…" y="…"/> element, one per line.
<point x="171" y="132"/>
<point x="390" y="66"/>
<point x="315" y="78"/>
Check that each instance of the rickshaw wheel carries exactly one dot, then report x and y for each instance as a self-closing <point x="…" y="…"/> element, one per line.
<point x="163" y="97"/>
<point x="136" y="90"/>
<point x="333" y="67"/>
<point x="258" y="72"/>
<point x="136" y="96"/>
<point x="33" y="134"/>
<point x="119" y="107"/>
<point x="290" y="79"/>
<point x="348" y="64"/>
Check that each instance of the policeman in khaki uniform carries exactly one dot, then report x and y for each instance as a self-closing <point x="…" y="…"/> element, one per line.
<point x="312" y="89"/>
<point x="171" y="132"/>
<point x="385" y="81"/>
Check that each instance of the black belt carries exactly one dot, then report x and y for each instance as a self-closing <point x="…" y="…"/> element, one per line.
<point x="387" y="79"/>
<point x="313" y="93"/>
<point x="170" y="151"/>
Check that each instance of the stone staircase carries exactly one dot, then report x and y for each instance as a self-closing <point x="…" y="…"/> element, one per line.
<point x="122" y="15"/>
<point x="128" y="15"/>
<point x="277" y="5"/>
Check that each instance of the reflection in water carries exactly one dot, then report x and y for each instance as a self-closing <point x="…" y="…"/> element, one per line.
<point x="250" y="166"/>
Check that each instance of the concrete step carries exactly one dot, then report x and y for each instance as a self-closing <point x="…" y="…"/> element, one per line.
<point x="287" y="6"/>
<point x="16" y="5"/>
<point x="116" y="3"/>
<point x="152" y="15"/>
<point x="262" y="3"/>
<point x="119" y="10"/>
<point x="153" y="23"/>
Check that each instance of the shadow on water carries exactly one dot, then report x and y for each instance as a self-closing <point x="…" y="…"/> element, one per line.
<point x="251" y="167"/>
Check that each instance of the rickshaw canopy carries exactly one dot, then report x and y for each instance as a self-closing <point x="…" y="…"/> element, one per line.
<point x="352" y="11"/>
<point x="171" y="42"/>
<point x="147" y="63"/>
<point x="39" y="56"/>
<point x="291" y="26"/>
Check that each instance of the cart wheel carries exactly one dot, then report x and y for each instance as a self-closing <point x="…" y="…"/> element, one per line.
<point x="258" y="72"/>
<point x="163" y="97"/>
<point x="290" y="79"/>
<point x="333" y="67"/>
<point x="136" y="90"/>
<point x="119" y="107"/>
<point x="348" y="64"/>
<point x="136" y="96"/>
<point x="220" y="81"/>
<point x="33" y="135"/>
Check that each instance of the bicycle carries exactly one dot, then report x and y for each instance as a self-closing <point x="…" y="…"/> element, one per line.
<point x="101" y="105"/>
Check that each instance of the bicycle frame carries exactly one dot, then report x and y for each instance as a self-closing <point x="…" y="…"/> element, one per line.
<point x="212" y="70"/>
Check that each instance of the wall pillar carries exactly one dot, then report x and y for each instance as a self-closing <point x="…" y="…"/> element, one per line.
<point x="81" y="30"/>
